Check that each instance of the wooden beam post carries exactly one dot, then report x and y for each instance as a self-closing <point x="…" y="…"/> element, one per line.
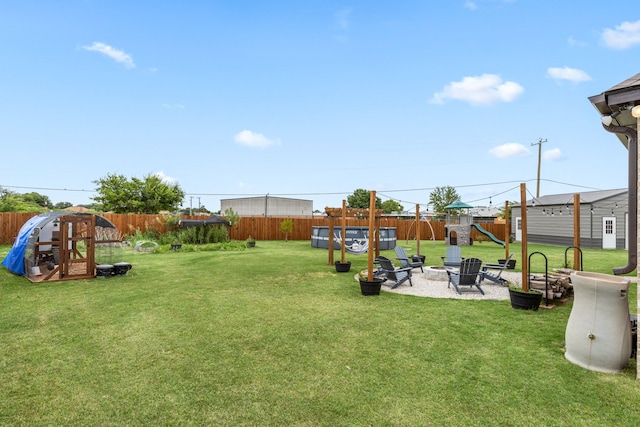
<point x="417" y="229"/>
<point x="372" y="224"/>
<point x="507" y="229"/>
<point x="330" y="248"/>
<point x="344" y="229"/>
<point x="523" y="216"/>
<point x="576" y="232"/>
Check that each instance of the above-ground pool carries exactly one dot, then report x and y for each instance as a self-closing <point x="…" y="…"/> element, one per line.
<point x="354" y="235"/>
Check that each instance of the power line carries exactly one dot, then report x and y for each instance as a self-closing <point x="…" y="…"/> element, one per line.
<point x="385" y="194"/>
<point x="539" y="144"/>
<point x="46" y="188"/>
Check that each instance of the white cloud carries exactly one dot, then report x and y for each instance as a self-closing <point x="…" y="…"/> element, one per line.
<point x="251" y="139"/>
<point x="480" y="90"/>
<point x="113" y="53"/>
<point x="509" y="150"/>
<point x="166" y="179"/>
<point x="566" y="73"/>
<point x="623" y="36"/>
<point x="553" y="154"/>
<point x="470" y="5"/>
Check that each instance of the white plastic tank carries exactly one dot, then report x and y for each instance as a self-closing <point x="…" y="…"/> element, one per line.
<point x="598" y="335"/>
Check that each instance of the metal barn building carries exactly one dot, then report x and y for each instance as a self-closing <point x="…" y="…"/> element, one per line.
<point x="268" y="206"/>
<point x="604" y="219"/>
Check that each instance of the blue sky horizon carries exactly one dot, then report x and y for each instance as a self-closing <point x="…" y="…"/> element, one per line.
<point x="313" y="99"/>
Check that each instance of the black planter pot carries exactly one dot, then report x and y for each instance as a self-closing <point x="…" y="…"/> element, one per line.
<point x="368" y="288"/>
<point x="176" y="246"/>
<point x="251" y="244"/>
<point x="121" y="268"/>
<point x="343" y="267"/>
<point x="525" y="300"/>
<point x="104" y="270"/>
<point x="510" y="265"/>
<point x="420" y="258"/>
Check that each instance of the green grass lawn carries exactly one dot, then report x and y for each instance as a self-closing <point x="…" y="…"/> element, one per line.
<point x="272" y="335"/>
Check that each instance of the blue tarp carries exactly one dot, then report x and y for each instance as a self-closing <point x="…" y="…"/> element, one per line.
<point x="14" y="261"/>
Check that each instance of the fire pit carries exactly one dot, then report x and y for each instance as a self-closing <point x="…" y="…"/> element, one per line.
<point x="436" y="272"/>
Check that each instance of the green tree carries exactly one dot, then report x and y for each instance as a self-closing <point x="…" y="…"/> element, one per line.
<point x="286" y="226"/>
<point x="148" y="195"/>
<point x="172" y="222"/>
<point x="231" y="216"/>
<point x="10" y="201"/>
<point x="202" y="209"/>
<point x="441" y="197"/>
<point x="360" y="199"/>
<point x="38" y="199"/>
<point x="501" y="212"/>
<point x="96" y="207"/>
<point x="389" y="206"/>
<point x="62" y="205"/>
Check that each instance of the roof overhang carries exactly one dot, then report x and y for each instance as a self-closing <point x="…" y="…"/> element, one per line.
<point x="619" y="100"/>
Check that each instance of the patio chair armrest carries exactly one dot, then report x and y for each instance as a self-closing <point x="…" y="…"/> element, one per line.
<point x="452" y="271"/>
<point x="495" y="266"/>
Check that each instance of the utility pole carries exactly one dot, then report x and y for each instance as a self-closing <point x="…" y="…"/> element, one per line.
<point x="266" y="204"/>
<point x="190" y="205"/>
<point x="539" y="144"/>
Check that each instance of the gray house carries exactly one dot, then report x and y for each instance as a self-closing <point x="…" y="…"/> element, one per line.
<point x="268" y="206"/>
<point x="604" y="219"/>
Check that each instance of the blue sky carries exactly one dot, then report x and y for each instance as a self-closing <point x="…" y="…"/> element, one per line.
<point x="313" y="99"/>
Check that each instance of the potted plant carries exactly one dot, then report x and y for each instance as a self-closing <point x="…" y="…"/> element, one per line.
<point x="369" y="287"/>
<point x="511" y="264"/>
<point x="251" y="242"/>
<point x="343" y="266"/>
<point x="522" y="299"/>
<point x="175" y="245"/>
<point x="418" y="258"/>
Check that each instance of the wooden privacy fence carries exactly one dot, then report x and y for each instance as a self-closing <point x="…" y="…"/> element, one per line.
<point x="259" y="227"/>
<point x="127" y="224"/>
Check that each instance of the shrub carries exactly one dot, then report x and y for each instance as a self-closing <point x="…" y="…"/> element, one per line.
<point x="147" y="235"/>
<point x="204" y="234"/>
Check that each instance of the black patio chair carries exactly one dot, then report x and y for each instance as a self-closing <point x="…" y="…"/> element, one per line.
<point x="405" y="261"/>
<point x="494" y="276"/>
<point x="396" y="275"/>
<point x="468" y="274"/>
